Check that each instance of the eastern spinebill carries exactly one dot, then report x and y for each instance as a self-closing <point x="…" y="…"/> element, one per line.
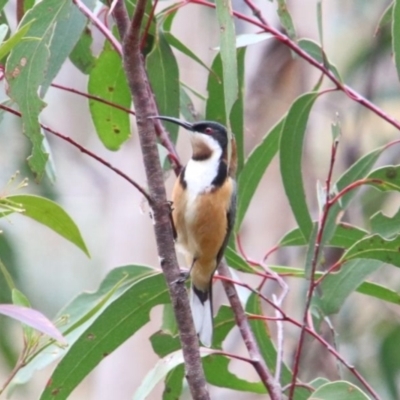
<point x="203" y="214"/>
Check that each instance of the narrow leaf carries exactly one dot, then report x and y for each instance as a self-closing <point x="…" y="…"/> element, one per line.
<point x="291" y="152"/>
<point x="228" y="54"/>
<point x="386" y="18"/>
<point x="107" y="80"/>
<point x="163" y="73"/>
<point x="32" y="318"/>
<point x="396" y="35"/>
<point x="254" y="169"/>
<point x="52" y="215"/>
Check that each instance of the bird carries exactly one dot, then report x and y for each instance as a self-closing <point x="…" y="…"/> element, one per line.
<point x="203" y="213"/>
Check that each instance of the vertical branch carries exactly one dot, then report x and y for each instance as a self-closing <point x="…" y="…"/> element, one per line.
<point x="137" y="79"/>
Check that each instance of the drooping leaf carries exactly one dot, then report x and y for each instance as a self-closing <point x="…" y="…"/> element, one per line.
<point x="107" y="80"/>
<point x="254" y="169"/>
<point x="52" y="215"/>
<point x="338" y="390"/>
<point x="174" y="383"/>
<point x="119" y="321"/>
<point x="33" y="64"/>
<point x="186" y="105"/>
<point x="291" y="153"/>
<point x="227" y="39"/>
<point x="235" y="261"/>
<point x="247" y="39"/>
<point x="32" y="318"/>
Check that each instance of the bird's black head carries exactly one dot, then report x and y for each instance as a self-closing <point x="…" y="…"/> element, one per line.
<point x="209" y="128"/>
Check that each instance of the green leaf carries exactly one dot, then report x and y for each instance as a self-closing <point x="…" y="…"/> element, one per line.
<point x="266" y="346"/>
<point x="387" y="177"/>
<point x="174" y="383"/>
<point x="33" y="64"/>
<point x="387" y="227"/>
<point x="386" y="18"/>
<point x="119" y="321"/>
<point x="216" y="369"/>
<point x="81" y="55"/>
<point x="224" y="322"/>
<point x="376" y="248"/>
<point x="82" y="311"/>
<point x="254" y="169"/>
<point x="186" y="105"/>
<point x="396" y="35"/>
<point x="227" y="40"/>
<point x="8" y="45"/>
<point x="337" y="287"/>
<point x="163" y="74"/>
<point x="107" y="80"/>
<point x="291" y="151"/>
<point x="316" y="52"/>
<point x="339" y="390"/>
<point x="389" y="360"/>
<point x="215" y="108"/>
<point x="286" y="19"/>
<point x="237" y="113"/>
<point x="52" y="215"/>
<point x="235" y="261"/>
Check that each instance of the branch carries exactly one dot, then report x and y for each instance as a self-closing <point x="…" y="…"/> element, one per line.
<point x="242" y="322"/>
<point x="89" y="153"/>
<point x="137" y="79"/>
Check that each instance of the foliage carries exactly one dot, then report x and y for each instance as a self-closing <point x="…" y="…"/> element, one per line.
<point x="95" y="324"/>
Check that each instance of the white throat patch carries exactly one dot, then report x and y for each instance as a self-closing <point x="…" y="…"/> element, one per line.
<point x="200" y="174"/>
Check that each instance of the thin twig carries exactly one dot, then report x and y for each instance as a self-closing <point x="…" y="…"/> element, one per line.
<point x="89" y="153"/>
<point x="94" y="98"/>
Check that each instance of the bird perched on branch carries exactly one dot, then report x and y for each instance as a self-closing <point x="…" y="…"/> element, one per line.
<point x="204" y="203"/>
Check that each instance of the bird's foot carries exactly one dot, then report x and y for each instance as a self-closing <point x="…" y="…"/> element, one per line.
<point x="183" y="277"/>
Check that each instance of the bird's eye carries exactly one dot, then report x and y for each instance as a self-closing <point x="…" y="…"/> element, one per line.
<point x="208" y="130"/>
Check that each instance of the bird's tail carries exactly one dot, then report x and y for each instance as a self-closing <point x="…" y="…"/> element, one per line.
<point x="202" y="311"/>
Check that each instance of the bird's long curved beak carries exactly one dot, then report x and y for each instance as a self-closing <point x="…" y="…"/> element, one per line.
<point x="177" y="121"/>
